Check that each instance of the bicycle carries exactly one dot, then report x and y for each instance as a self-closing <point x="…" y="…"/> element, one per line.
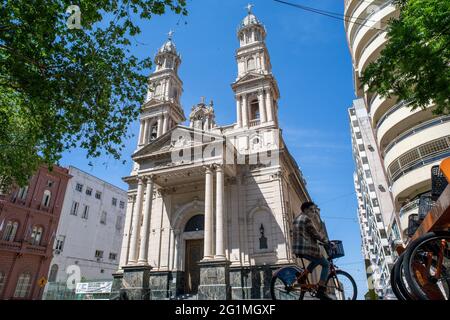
<point x="427" y="266"/>
<point x="340" y="284"/>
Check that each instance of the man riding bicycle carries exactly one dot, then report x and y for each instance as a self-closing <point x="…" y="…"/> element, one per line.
<point x="305" y="245"/>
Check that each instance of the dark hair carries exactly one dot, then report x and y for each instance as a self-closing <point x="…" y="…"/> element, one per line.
<point x="306" y="205"/>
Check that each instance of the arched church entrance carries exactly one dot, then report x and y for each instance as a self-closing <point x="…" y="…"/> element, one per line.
<point x="193" y="234"/>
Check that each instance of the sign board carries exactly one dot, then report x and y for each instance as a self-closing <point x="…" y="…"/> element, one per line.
<point x="42" y="282"/>
<point x="93" y="287"/>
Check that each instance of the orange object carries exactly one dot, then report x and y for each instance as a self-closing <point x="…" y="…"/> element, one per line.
<point x="445" y="168"/>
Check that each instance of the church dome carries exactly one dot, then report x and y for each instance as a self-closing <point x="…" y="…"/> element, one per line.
<point x="250" y="19"/>
<point x="169" y="46"/>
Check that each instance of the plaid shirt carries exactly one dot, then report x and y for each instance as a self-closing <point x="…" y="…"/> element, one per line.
<point x="305" y="237"/>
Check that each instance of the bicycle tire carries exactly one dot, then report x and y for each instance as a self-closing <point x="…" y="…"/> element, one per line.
<point x="398" y="294"/>
<point x="399" y="281"/>
<point x="410" y="254"/>
<point x="342" y="273"/>
<point x="277" y="281"/>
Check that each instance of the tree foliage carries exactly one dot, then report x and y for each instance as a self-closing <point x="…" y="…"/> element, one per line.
<point x="415" y="64"/>
<point x="62" y="88"/>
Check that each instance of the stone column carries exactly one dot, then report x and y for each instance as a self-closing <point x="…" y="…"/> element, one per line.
<point x="262" y="108"/>
<point x="167" y="90"/>
<point x="269" y="106"/>
<point x="166" y="123"/>
<point x="160" y="126"/>
<point x="220" y="244"/>
<point x="244" y="111"/>
<point x="208" y="254"/>
<point x="145" y="231"/>
<point x="126" y="232"/>
<point x="263" y="61"/>
<point x="145" y="133"/>
<point x="141" y="132"/>
<point x="135" y="224"/>
<point x="238" y="112"/>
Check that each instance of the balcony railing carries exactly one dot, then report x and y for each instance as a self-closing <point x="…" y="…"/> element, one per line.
<point x="254" y="123"/>
<point x="10" y="245"/>
<point x="397" y="106"/>
<point x="413" y="205"/>
<point x="414" y="130"/>
<point x="363" y="21"/>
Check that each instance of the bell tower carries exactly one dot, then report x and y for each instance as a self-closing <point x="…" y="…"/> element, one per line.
<point x="256" y="90"/>
<point x="162" y="109"/>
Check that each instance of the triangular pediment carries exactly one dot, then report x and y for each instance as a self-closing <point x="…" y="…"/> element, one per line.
<point x="177" y="138"/>
<point x="250" y="77"/>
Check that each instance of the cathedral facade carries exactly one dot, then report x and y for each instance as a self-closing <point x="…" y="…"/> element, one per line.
<point x="210" y="207"/>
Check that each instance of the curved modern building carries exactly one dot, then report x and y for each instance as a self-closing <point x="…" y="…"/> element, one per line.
<point x="409" y="142"/>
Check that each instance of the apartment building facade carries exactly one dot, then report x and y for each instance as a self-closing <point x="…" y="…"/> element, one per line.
<point x="375" y="208"/>
<point x="90" y="230"/>
<point x="29" y="217"/>
<point x="410" y="142"/>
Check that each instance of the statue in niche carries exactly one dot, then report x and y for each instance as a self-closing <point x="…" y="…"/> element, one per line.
<point x="262" y="239"/>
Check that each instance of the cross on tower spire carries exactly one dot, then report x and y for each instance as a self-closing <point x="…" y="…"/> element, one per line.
<point x="249" y="8"/>
<point x="170" y="35"/>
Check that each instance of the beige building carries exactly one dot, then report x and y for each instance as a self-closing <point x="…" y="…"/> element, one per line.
<point x="410" y="142"/>
<point x="210" y="207"/>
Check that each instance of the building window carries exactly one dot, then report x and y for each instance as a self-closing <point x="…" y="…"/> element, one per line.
<point x="79" y="187"/>
<point x="23" y="193"/>
<point x="254" y="110"/>
<point x="85" y="212"/>
<point x="60" y="243"/>
<point x="98" y="253"/>
<point x="364" y="160"/>
<point x="114" y="202"/>
<point x="98" y="195"/>
<point x="251" y="64"/>
<point x="10" y="231"/>
<point x="375" y="202"/>
<point x="371" y="187"/>
<point x="383" y="234"/>
<point x="358" y="135"/>
<point x="2" y="281"/>
<point x="154" y="132"/>
<point x="119" y="222"/>
<point x="103" y="217"/>
<point x="361" y="147"/>
<point x="36" y="236"/>
<point x="53" y="273"/>
<point x="112" y="256"/>
<point x="23" y="286"/>
<point x="74" y="209"/>
<point x="46" y="198"/>
<point x="368" y="175"/>
<point x="89" y="191"/>
<point x="121" y="204"/>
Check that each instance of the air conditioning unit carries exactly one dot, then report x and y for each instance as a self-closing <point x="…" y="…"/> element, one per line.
<point x="56" y="251"/>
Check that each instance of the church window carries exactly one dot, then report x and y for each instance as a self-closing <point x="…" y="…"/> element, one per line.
<point x="254" y="110"/>
<point x="154" y="132"/>
<point x="251" y="64"/>
<point x="196" y="223"/>
<point x="158" y="90"/>
<point x="169" y="63"/>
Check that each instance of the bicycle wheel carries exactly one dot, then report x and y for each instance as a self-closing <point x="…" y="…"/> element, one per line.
<point x="423" y="260"/>
<point x="400" y="280"/>
<point x="281" y="284"/>
<point x="398" y="294"/>
<point x="341" y="286"/>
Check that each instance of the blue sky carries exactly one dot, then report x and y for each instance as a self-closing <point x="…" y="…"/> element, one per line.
<point x="312" y="64"/>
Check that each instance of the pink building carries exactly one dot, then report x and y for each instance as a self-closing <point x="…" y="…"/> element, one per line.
<point x="29" y="217"/>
